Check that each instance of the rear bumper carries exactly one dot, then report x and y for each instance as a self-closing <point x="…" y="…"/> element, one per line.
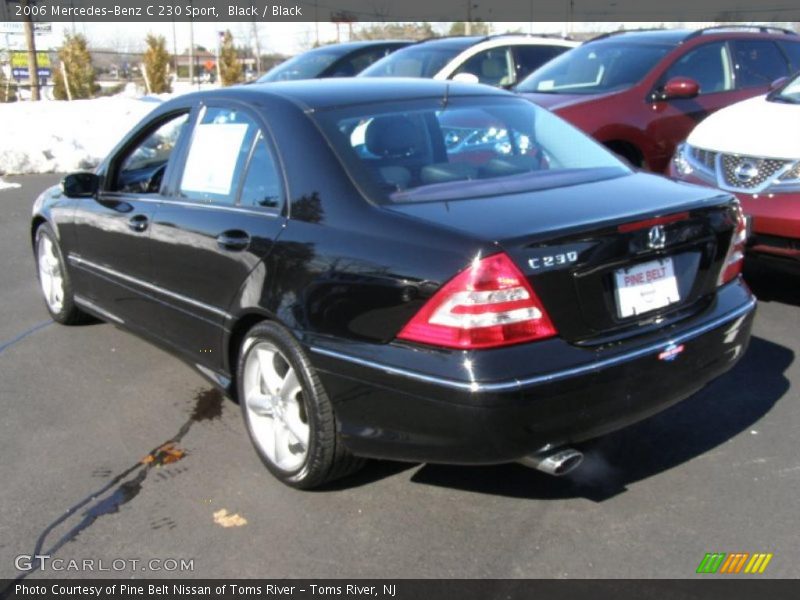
<point x="412" y="404"/>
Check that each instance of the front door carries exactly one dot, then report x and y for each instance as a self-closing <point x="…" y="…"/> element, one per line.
<point x="112" y="260"/>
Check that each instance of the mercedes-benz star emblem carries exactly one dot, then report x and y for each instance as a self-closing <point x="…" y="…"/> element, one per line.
<point x="656" y="237"/>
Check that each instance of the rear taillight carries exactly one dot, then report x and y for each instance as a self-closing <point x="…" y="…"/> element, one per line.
<point x="490" y="304"/>
<point x="735" y="257"/>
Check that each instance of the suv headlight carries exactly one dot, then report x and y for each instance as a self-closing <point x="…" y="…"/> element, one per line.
<point x="681" y="162"/>
<point x="789" y="181"/>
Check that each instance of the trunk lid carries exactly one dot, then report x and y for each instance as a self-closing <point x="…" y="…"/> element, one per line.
<point x="574" y="244"/>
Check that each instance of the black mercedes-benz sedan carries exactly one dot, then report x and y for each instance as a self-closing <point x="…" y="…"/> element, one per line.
<point x="404" y="269"/>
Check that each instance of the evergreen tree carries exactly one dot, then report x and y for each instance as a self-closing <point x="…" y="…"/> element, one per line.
<point x="156" y="64"/>
<point x="475" y="27"/>
<point x="74" y="55"/>
<point x="230" y="69"/>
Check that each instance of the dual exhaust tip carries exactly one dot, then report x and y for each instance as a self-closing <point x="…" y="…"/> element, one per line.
<point x="557" y="461"/>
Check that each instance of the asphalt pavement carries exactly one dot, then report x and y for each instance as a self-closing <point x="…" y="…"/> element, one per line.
<point x="115" y="452"/>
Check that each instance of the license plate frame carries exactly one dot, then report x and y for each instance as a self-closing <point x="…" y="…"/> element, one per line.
<point x="645" y="287"/>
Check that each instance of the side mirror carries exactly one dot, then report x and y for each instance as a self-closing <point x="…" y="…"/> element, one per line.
<point x="680" y="88"/>
<point x="80" y="185"/>
<point x="466" y="78"/>
<point x="778" y="83"/>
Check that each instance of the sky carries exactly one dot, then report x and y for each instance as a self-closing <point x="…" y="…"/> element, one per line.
<point x="284" y="38"/>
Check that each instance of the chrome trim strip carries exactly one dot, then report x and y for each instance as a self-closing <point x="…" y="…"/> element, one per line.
<point x="168" y="201"/>
<point x="101" y="311"/>
<point x="77" y="260"/>
<point x="550" y="377"/>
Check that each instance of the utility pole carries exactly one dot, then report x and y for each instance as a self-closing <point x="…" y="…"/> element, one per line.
<point x="258" y="48"/>
<point x="33" y="64"/>
<point x="191" y="52"/>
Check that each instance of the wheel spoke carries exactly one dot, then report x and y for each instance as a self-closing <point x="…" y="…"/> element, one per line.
<point x="295" y="426"/>
<point x="270" y="377"/>
<point x="280" y="438"/>
<point x="260" y="404"/>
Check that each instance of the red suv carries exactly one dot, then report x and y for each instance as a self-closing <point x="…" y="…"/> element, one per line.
<point x="641" y="92"/>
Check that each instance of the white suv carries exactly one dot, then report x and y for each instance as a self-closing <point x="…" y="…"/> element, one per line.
<point x="499" y="60"/>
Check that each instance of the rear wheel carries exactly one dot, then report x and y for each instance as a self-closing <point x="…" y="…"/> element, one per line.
<point x="287" y="412"/>
<point x="54" y="279"/>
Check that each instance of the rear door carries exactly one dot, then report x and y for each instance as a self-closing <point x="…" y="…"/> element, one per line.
<point x="216" y="228"/>
<point x="113" y="230"/>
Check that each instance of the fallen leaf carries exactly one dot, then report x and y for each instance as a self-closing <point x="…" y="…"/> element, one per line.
<point x="223" y="518"/>
<point x="164" y="455"/>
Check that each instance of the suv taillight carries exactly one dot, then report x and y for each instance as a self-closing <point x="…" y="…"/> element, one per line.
<point x="489" y="304"/>
<point x="734" y="260"/>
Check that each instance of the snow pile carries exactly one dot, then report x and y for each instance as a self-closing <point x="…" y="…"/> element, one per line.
<point x="5" y="185"/>
<point x="45" y="137"/>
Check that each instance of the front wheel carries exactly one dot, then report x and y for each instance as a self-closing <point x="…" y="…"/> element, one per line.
<point x="54" y="279"/>
<point x="288" y="415"/>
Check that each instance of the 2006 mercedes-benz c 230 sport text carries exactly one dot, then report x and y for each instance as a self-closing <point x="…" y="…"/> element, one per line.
<point x="412" y="270"/>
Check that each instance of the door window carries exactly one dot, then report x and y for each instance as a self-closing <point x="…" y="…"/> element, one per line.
<point x="217" y="155"/>
<point x="530" y="58"/>
<point x="708" y="65"/>
<point x="142" y="168"/>
<point x="262" y="185"/>
<point x="792" y="50"/>
<point x="758" y="63"/>
<point x="492" y="67"/>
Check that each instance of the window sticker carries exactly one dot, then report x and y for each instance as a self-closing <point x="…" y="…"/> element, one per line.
<point x="212" y="158"/>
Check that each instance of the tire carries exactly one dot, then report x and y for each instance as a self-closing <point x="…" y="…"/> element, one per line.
<point x="287" y="413"/>
<point x="54" y="279"/>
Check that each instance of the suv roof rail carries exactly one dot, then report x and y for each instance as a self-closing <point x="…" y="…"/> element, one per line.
<point x="758" y="28"/>
<point x="608" y="34"/>
<point x="558" y="36"/>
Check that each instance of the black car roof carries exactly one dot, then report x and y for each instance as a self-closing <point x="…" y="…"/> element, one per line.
<point x="329" y="93"/>
<point x="345" y="47"/>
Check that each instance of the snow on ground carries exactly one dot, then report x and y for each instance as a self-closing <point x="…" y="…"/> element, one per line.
<point x="52" y="136"/>
<point x="5" y="185"/>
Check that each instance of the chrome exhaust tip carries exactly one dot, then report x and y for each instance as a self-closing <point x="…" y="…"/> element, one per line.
<point x="559" y="461"/>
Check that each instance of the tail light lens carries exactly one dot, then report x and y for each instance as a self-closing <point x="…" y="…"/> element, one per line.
<point x="488" y="305"/>
<point x="735" y="258"/>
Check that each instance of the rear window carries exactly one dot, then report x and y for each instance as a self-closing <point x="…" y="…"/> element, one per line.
<point x="462" y="148"/>
<point x="595" y="68"/>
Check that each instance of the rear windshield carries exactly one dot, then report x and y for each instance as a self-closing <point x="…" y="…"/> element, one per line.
<point x="304" y="66"/>
<point x="595" y="68"/>
<point x="413" y="61"/>
<point x="446" y="149"/>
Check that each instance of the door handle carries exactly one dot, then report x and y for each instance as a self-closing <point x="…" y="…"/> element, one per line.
<point x="138" y="223"/>
<point x="234" y="239"/>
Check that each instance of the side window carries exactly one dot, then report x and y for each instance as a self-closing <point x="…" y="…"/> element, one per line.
<point x="142" y="168"/>
<point x="218" y="152"/>
<point x="792" y="50"/>
<point x="530" y="58"/>
<point x="492" y="67"/>
<point x="757" y="63"/>
<point x="708" y="65"/>
<point x="262" y="185"/>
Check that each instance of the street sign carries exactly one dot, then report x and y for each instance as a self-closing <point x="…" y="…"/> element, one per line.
<point x="19" y="60"/>
<point x="22" y="73"/>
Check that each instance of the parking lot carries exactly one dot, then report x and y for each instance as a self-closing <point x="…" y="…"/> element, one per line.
<point x="85" y="472"/>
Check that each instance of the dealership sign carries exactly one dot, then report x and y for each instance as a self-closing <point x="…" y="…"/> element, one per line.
<point x="19" y="27"/>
